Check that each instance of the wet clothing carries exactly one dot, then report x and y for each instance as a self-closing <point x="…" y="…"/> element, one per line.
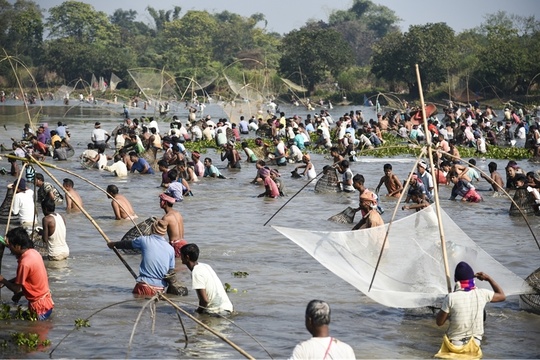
<point x="32" y="276"/>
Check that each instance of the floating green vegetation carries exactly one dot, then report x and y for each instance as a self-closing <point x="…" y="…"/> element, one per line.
<point x="229" y="288"/>
<point x="79" y="323"/>
<point x="30" y="341"/>
<point x="6" y="313"/>
<point x="240" y="274"/>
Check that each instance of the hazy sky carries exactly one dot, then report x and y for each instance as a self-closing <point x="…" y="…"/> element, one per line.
<point x="286" y="15"/>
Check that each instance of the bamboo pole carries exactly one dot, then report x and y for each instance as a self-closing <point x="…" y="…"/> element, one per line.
<point x="435" y="187"/>
<point x="393" y="216"/>
<point x="219" y="335"/>
<point x="2" y="246"/>
<point x="92" y="221"/>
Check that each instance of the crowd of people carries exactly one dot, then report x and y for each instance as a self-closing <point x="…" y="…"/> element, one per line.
<point x="138" y="146"/>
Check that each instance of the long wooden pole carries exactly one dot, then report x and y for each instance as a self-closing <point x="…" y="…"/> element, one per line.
<point x="92" y="221"/>
<point x="221" y="336"/>
<point x="435" y="186"/>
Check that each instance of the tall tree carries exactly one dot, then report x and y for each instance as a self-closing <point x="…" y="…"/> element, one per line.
<point x="189" y="40"/>
<point x="162" y="17"/>
<point x="83" y="41"/>
<point x="363" y="25"/>
<point x="431" y="46"/>
<point x="312" y="53"/>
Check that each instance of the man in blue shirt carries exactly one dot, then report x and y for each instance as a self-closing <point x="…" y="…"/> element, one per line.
<point x="156" y="262"/>
<point x="139" y="164"/>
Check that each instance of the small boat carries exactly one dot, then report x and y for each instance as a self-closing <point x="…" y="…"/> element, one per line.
<point x="416" y="116"/>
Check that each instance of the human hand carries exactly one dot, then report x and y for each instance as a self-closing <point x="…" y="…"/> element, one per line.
<point x="110" y="244"/>
<point x="482" y="276"/>
<point x="16" y="297"/>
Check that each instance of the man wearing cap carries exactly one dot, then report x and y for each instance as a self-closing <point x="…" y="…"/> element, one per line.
<point x="23" y="205"/>
<point x="175" y="223"/>
<point x="464" y="307"/>
<point x="426" y="179"/>
<point x="156" y="261"/>
<point x="99" y="136"/>
<point x="416" y="183"/>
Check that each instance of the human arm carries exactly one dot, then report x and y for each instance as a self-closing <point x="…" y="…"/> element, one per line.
<point x="499" y="293"/>
<point x="11" y="285"/>
<point x="380" y="184"/>
<point x="117" y="210"/>
<point x="441" y="318"/>
<point x="48" y="228"/>
<point x="203" y="300"/>
<point x="120" y="244"/>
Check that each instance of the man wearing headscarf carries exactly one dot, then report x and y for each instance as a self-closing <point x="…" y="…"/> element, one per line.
<point x="464" y="307"/>
<point x="368" y="206"/>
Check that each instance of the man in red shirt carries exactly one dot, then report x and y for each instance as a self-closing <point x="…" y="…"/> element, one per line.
<point x="31" y="280"/>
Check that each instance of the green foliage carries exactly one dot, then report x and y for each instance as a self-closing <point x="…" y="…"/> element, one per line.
<point x="79" y="323"/>
<point x="240" y="274"/>
<point x="310" y="53"/>
<point x="29" y="341"/>
<point x="430" y="46"/>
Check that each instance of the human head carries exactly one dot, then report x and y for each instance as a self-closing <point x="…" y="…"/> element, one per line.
<point x="133" y="155"/>
<point x="520" y="180"/>
<point x="18" y="239"/>
<point x="207" y="161"/>
<point x="317" y="315"/>
<point x="189" y="252"/>
<point x="387" y="168"/>
<point x="159" y="227"/>
<point x="172" y="174"/>
<point x="422" y="166"/>
<point x="453" y="176"/>
<point x="264" y="172"/>
<point x="112" y="190"/>
<point x="165" y="199"/>
<point x="97" y="124"/>
<point x="48" y="206"/>
<point x="492" y="166"/>
<point x="39" y="179"/>
<point x="358" y="182"/>
<point x="67" y="183"/>
<point x="463" y="272"/>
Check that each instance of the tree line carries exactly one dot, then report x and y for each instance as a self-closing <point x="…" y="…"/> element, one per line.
<point x="355" y="50"/>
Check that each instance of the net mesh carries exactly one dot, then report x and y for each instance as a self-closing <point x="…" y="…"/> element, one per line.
<point x="115" y="80"/>
<point x="531" y="302"/>
<point x="156" y="85"/>
<point x="415" y="280"/>
<point x="525" y="202"/>
<point x="328" y="181"/>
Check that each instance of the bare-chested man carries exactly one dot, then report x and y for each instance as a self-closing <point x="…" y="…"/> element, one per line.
<point x="175" y="223"/>
<point x="391" y="181"/>
<point x="120" y="204"/>
<point x="74" y="202"/>
<point x="495" y="179"/>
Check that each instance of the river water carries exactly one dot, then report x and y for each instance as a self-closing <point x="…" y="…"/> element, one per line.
<point x="225" y="218"/>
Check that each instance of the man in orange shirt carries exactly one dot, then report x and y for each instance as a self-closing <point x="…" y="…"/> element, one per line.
<point x="31" y="280"/>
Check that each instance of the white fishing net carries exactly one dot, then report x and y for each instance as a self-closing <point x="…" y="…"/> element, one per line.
<point x="411" y="272"/>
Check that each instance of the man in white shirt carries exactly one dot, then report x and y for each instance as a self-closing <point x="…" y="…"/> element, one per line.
<point x="23" y="205"/>
<point x="99" y="136"/>
<point x="210" y="291"/>
<point x="321" y="345"/>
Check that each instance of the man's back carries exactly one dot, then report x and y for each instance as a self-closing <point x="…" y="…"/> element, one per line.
<point x="323" y="348"/>
<point x="466" y="312"/>
<point x="204" y="277"/>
